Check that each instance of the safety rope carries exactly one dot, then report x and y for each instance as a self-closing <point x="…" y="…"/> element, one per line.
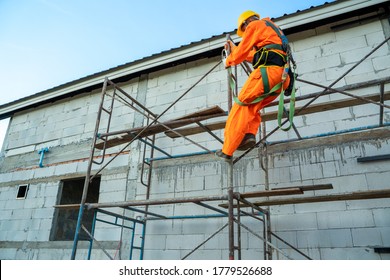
<point x="281" y="100"/>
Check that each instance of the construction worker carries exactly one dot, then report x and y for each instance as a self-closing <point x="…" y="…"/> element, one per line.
<point x="261" y="45"/>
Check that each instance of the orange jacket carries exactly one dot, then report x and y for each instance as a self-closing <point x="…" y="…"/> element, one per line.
<point x="258" y="34"/>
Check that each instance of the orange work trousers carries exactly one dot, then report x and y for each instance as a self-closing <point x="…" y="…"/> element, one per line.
<point x="246" y="119"/>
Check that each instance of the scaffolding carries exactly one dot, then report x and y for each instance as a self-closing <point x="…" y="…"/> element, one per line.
<point x="234" y="203"/>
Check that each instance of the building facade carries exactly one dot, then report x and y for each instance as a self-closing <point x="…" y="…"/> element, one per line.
<point x="340" y="140"/>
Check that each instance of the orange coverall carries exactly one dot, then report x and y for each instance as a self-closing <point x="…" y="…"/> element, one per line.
<point x="246" y="119"/>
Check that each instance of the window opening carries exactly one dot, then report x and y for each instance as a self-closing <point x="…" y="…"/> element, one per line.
<point x="22" y="192"/>
<point x="65" y="220"/>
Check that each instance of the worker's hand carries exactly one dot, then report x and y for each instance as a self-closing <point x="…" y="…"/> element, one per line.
<point x="229" y="46"/>
<point x="224" y="61"/>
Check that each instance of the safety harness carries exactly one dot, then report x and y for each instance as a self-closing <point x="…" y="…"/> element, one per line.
<point x="268" y="56"/>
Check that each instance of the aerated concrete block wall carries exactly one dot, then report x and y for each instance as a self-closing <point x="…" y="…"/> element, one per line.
<point x="332" y="230"/>
<point x="324" y="230"/>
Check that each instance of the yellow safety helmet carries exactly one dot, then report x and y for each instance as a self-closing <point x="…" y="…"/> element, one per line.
<point x="242" y="18"/>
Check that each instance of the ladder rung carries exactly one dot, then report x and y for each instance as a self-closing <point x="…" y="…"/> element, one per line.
<point x="107" y="111"/>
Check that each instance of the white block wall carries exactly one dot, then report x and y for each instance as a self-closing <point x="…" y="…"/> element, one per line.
<point x="336" y="230"/>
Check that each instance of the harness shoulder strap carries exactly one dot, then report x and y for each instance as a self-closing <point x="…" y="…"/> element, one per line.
<point x="278" y="31"/>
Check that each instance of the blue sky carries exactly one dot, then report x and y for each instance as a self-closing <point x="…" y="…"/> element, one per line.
<point x="46" y="43"/>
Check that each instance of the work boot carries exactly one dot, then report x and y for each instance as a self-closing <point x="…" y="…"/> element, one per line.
<point x="248" y="142"/>
<point x="223" y="156"/>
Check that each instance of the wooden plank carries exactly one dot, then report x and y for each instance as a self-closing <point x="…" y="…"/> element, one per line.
<point x="196" y="129"/>
<point x="328" y="106"/>
<point x="310" y="188"/>
<point x="285" y="191"/>
<point x="125" y="136"/>
<point x="205" y="112"/>
<point x="269" y="116"/>
<point x="162" y="201"/>
<point x="362" y="195"/>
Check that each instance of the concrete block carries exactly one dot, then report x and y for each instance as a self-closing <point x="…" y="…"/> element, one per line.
<point x="345" y="219"/>
<point x="7" y="253"/>
<point x="319" y="128"/>
<point x="354" y="77"/>
<point x="304" y="221"/>
<point x="382" y="217"/>
<point x="313" y="171"/>
<point x="108" y="234"/>
<point x="348" y="124"/>
<point x="199" y="68"/>
<point x="7" y="193"/>
<point x="212" y="181"/>
<point x="155" y="242"/>
<point x="161" y="227"/>
<point x="34" y="203"/>
<point x="207" y="226"/>
<point x="203" y="255"/>
<point x="112" y="185"/>
<point x="21" y="214"/>
<point x="63" y="169"/>
<point x="196" y="103"/>
<point x="74" y="130"/>
<point x="3" y="234"/>
<point x="331" y="169"/>
<point x="288" y="236"/>
<point x="46" y="171"/>
<point x="37" y="235"/>
<point x="281" y="175"/>
<point x="339" y="46"/>
<point x="82" y="167"/>
<point x="307" y="55"/>
<point x="112" y="196"/>
<point x="42" y="213"/>
<point x="354" y="56"/>
<point x="373" y="28"/>
<point x="50" y="254"/>
<point x="13" y="204"/>
<point x="315" y="41"/>
<point x="19" y="151"/>
<point x="320" y="207"/>
<point x="5" y="215"/>
<point x="195" y="184"/>
<point x="348" y="254"/>
<point x="346" y="184"/>
<point x="44" y="224"/>
<point x="313" y="253"/>
<point x="385" y="235"/>
<point x="282" y="210"/>
<point x="364" y="68"/>
<point x="185" y="209"/>
<point x="181" y="242"/>
<point x="5" y="177"/>
<point x="22" y="175"/>
<point x="50" y="192"/>
<point x="367" y="237"/>
<point x="378" y="180"/>
<point x="162" y="255"/>
<point x="17" y="235"/>
<point x="320" y="63"/>
<point x="325" y="239"/>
